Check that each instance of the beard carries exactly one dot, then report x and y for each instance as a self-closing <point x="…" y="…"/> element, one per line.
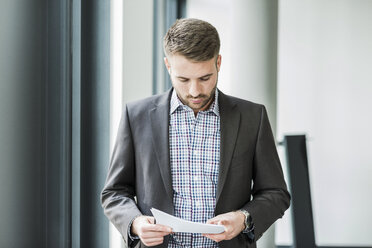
<point x="200" y="102"/>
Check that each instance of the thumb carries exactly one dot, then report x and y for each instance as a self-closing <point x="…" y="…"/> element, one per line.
<point x="151" y="220"/>
<point x="213" y="221"/>
<point x="222" y="222"/>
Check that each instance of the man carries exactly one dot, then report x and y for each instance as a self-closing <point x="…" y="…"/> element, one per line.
<point x="195" y="153"/>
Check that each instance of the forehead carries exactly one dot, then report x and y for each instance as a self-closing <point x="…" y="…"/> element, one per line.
<point x="183" y="67"/>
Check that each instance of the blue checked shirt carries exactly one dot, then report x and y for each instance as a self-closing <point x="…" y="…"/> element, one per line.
<point x="194" y="159"/>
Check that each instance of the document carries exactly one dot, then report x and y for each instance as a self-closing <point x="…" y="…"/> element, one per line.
<point x="180" y="225"/>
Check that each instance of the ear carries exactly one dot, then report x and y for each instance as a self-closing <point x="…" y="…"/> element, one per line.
<point x="219" y="58"/>
<point x="167" y="64"/>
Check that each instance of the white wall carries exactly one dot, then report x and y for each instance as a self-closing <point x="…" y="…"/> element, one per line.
<point x="137" y="49"/>
<point x="325" y="90"/>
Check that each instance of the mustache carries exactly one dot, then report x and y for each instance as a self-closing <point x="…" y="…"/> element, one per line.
<point x="197" y="97"/>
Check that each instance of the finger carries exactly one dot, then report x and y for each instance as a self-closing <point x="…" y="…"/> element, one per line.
<point x="152" y="241"/>
<point x="149" y="235"/>
<point x="214" y="220"/>
<point x="211" y="221"/>
<point x="157" y="228"/>
<point x="223" y="222"/>
<point x="146" y="233"/>
<point x="164" y="228"/>
<point x="215" y="237"/>
<point x="152" y="244"/>
<point x="151" y="220"/>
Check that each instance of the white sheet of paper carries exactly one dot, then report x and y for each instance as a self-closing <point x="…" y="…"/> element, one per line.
<point x="180" y="225"/>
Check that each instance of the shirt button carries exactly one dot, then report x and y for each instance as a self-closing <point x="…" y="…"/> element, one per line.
<point x="196" y="153"/>
<point x="198" y="203"/>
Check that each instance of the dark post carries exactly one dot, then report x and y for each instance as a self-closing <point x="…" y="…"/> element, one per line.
<point x="95" y="120"/>
<point x="302" y="215"/>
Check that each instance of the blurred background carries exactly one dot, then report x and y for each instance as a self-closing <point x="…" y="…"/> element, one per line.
<point x="68" y="67"/>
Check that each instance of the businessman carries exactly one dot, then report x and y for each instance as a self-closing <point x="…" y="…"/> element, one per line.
<point x="195" y="153"/>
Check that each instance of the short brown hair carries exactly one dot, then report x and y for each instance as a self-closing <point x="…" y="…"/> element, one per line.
<point x="193" y="38"/>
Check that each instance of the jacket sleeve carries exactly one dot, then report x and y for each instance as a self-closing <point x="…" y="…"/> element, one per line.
<point x="270" y="195"/>
<point x="118" y="194"/>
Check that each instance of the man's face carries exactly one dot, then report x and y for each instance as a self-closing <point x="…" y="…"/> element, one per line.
<point x="194" y="82"/>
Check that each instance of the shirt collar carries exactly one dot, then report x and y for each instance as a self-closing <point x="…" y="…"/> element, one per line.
<point x="176" y="103"/>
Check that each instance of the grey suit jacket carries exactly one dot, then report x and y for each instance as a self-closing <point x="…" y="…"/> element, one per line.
<point x="250" y="174"/>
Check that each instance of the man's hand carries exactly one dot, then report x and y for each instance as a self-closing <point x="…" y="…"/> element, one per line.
<point x="233" y="222"/>
<point x="151" y="234"/>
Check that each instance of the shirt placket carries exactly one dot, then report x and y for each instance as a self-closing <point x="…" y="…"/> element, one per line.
<point x="195" y="167"/>
<point x="191" y="129"/>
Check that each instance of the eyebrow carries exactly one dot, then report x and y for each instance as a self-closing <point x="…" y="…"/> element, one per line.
<point x="207" y="75"/>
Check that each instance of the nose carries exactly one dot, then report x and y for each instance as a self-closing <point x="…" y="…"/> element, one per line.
<point x="195" y="89"/>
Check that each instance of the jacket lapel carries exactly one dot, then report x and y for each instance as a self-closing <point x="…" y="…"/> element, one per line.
<point x="230" y="122"/>
<point x="159" y="117"/>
